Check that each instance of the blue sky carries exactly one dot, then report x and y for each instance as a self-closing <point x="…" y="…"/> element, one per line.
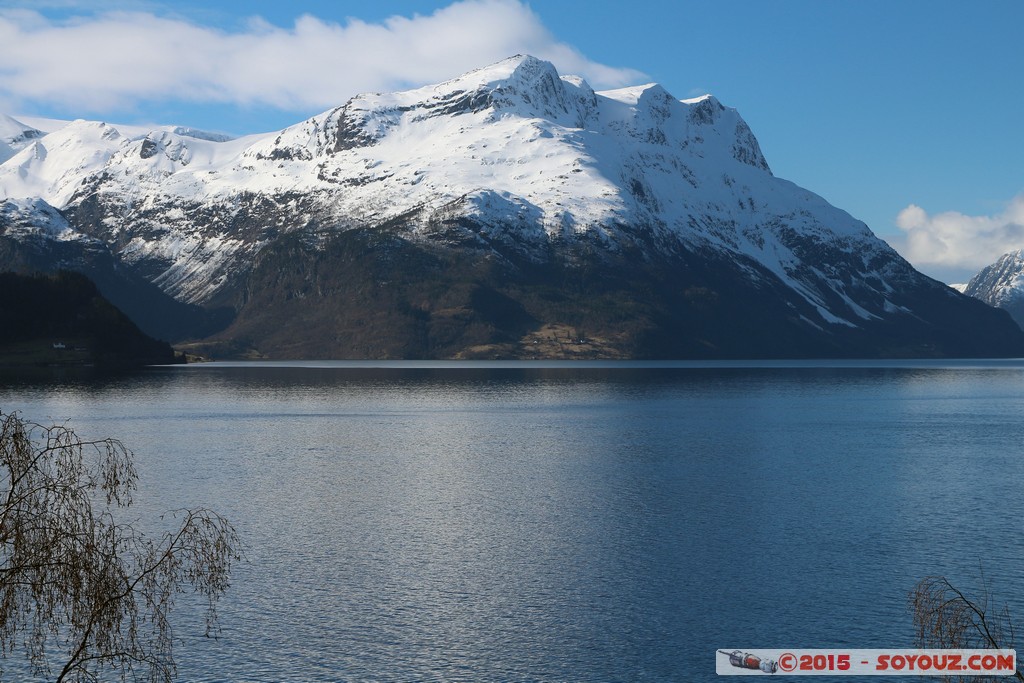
<point x="909" y="114"/>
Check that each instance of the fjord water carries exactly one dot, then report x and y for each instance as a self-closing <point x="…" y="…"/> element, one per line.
<point x="537" y="522"/>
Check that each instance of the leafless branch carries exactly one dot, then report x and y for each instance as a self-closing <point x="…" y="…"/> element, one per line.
<point x="77" y="585"/>
<point x="945" y="617"/>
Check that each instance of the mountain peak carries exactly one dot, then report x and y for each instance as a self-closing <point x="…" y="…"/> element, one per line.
<point x="521" y="85"/>
<point x="516" y="69"/>
<point x="11" y="127"/>
<point x="15" y="136"/>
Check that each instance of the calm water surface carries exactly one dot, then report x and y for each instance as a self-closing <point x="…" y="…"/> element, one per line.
<point x="510" y="522"/>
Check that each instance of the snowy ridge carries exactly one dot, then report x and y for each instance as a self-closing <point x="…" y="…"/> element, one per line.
<point x="35" y="218"/>
<point x="526" y="155"/>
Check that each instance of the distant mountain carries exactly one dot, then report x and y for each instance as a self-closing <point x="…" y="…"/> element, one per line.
<point x="510" y="212"/>
<point x="15" y="136"/>
<point x="62" y="319"/>
<point x="1002" y="285"/>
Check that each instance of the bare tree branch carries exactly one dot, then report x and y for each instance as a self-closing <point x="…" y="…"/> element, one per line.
<point x="944" y="617"/>
<point x="78" y="587"/>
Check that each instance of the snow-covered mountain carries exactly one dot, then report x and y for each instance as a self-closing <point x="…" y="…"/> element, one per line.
<point x="514" y="145"/>
<point x="1002" y="285"/>
<point x="513" y="166"/>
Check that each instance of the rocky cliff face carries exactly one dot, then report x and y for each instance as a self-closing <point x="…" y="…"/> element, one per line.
<point x="490" y="214"/>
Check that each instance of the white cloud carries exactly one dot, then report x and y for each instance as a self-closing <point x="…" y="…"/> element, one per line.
<point x="117" y="60"/>
<point x="955" y="239"/>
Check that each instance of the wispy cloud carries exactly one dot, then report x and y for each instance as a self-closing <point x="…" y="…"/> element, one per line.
<point x="120" y="59"/>
<point x="956" y="239"/>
